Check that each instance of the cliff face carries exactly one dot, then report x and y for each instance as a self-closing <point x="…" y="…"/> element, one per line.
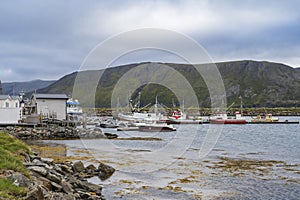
<point x="261" y="83"/>
<point x="258" y="83"/>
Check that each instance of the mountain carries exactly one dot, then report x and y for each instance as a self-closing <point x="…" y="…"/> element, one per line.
<point x="14" y="88"/>
<point x="259" y="83"/>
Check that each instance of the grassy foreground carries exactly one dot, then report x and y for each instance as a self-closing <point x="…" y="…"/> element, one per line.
<point x="11" y="151"/>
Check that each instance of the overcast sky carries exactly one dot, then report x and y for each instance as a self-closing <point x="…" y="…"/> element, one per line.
<point x="49" y="39"/>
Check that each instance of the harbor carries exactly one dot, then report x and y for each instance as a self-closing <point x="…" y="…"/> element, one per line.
<point x="262" y="158"/>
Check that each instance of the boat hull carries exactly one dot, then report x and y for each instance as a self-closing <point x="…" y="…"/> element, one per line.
<point x="228" y="121"/>
<point x="128" y="129"/>
<point x="156" y="129"/>
<point x="186" y="121"/>
<point x="108" y="126"/>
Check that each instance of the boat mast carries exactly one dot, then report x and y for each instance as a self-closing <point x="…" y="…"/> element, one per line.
<point x="241" y="105"/>
<point x="155" y="105"/>
<point x="139" y="102"/>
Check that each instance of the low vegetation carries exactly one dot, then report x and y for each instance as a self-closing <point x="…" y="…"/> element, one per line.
<point x="11" y="158"/>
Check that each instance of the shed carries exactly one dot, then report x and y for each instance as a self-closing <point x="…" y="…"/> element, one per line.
<point x="50" y="105"/>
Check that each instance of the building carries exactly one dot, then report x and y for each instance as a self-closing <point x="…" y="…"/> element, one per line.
<point x="7" y="101"/>
<point x="10" y="111"/>
<point x="50" y="105"/>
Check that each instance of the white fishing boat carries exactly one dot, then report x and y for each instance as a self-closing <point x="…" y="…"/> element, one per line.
<point x="155" y="127"/>
<point x="179" y="117"/>
<point x="137" y="116"/>
<point x="74" y="112"/>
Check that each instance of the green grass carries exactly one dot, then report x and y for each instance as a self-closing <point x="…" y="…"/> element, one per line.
<point x="11" y="151"/>
<point x="10" y="191"/>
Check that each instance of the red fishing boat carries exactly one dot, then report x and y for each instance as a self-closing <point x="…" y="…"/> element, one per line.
<point x="222" y="118"/>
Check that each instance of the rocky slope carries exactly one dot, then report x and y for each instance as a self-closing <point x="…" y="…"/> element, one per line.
<point x="260" y="84"/>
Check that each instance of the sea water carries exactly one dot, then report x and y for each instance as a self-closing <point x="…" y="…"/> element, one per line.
<point x="252" y="161"/>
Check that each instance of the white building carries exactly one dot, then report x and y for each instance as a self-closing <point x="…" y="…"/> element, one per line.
<point x="50" y="105"/>
<point x="10" y="111"/>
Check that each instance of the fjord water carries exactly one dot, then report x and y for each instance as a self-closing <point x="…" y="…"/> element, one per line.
<point x="252" y="161"/>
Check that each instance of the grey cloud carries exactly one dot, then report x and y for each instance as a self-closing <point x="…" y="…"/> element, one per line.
<point x="48" y="39"/>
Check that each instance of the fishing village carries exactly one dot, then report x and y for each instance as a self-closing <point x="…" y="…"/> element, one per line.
<point x="149" y="100"/>
<point x="55" y="117"/>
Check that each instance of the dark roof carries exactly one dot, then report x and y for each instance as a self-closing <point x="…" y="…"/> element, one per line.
<point x="50" y="96"/>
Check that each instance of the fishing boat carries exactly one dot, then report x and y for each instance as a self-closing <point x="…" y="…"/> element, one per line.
<point x="154" y="127"/>
<point x="180" y="117"/>
<point x="267" y="118"/>
<point x="108" y="123"/>
<point x="142" y="116"/>
<point x="146" y="126"/>
<point x="74" y="112"/>
<point x="127" y="126"/>
<point x="222" y="118"/>
<point x="137" y="116"/>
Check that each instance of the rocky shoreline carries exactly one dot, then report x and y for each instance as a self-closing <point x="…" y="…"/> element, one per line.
<point x="56" y="132"/>
<point x="59" y="181"/>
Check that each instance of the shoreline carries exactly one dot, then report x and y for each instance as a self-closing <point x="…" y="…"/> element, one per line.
<point x="44" y="178"/>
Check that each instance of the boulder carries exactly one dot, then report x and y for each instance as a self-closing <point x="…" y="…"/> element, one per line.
<point x="19" y="179"/>
<point x="78" y="167"/>
<point x="105" y="171"/>
<point x="39" y="170"/>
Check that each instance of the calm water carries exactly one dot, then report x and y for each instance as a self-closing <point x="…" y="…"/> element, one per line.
<point x="250" y="161"/>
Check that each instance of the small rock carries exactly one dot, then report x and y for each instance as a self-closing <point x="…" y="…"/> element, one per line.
<point x="90" y="187"/>
<point x="67" y="187"/>
<point x="91" y="167"/>
<point x="40" y="170"/>
<point x="56" y="187"/>
<point x="66" y="168"/>
<point x="84" y="195"/>
<point x="45" y="183"/>
<point x="47" y="160"/>
<point x="35" y="194"/>
<point x="53" y="177"/>
<point x="78" y="167"/>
